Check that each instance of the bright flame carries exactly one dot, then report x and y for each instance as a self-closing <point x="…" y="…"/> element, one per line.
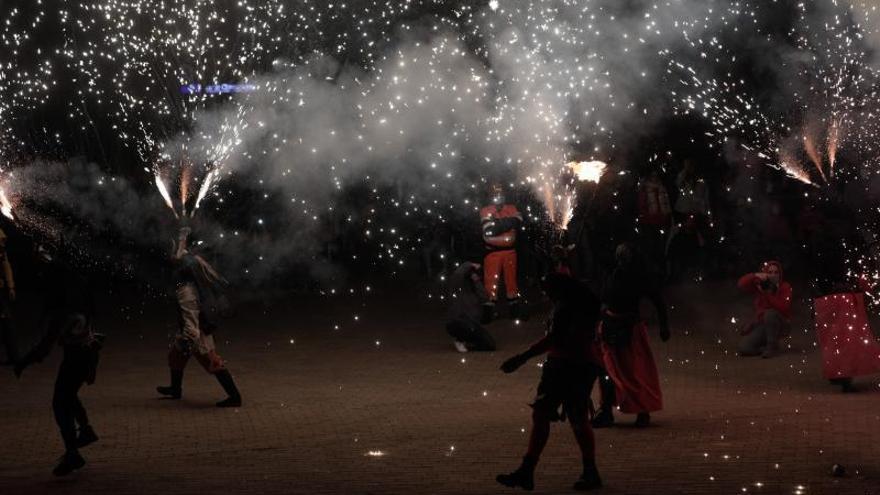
<point x="561" y="205"/>
<point x="792" y="168"/>
<point x="206" y="186"/>
<point x="165" y="195"/>
<point x="185" y="178"/>
<point x="588" y="171"/>
<point x="5" y="205"/>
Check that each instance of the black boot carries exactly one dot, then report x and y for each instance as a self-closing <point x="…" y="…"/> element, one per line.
<point x="523" y="477"/>
<point x="69" y="462"/>
<point x="604" y="418"/>
<point x="86" y="437"/>
<point x="228" y="384"/>
<point x="643" y="420"/>
<point x="590" y="479"/>
<point x="175" y="390"/>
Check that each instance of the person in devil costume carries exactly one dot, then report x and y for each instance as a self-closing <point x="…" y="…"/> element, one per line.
<point x="567" y="377"/>
<point x="199" y="300"/>
<point x="631" y="380"/>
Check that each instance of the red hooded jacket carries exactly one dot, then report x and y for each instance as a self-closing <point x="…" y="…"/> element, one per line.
<point x="779" y="300"/>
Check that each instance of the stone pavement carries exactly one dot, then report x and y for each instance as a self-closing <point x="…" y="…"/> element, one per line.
<point x="320" y="400"/>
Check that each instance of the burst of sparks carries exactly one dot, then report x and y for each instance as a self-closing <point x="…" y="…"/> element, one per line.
<point x="5" y="205"/>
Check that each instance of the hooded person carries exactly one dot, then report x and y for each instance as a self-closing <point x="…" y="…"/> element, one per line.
<point x="772" y="303"/>
<point x="500" y="222"/>
<point x="7" y="297"/>
<point x="631" y="380"/>
<point x="69" y="309"/>
<point x="463" y="321"/>
<point x="198" y="292"/>
<point x="567" y="377"/>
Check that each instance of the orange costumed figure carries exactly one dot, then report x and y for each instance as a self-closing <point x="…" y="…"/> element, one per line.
<point x="500" y="222"/>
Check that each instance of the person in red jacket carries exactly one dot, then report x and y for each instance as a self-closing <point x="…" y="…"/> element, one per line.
<point x="567" y="378"/>
<point x="772" y="310"/>
<point x="500" y="222"/>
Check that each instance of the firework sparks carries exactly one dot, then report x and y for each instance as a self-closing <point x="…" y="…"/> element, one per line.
<point x="832" y="143"/>
<point x="813" y="154"/>
<point x="163" y="191"/>
<point x="588" y="171"/>
<point x="6" y="205"/>
<point x="128" y="61"/>
<point x="26" y="73"/>
<point x="560" y="201"/>
<point x="832" y="92"/>
<point x="206" y="186"/>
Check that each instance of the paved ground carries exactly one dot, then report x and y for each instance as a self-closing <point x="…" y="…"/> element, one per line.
<point x="319" y="400"/>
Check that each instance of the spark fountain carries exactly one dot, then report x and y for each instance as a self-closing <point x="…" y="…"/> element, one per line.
<point x="819" y="128"/>
<point x="132" y="68"/>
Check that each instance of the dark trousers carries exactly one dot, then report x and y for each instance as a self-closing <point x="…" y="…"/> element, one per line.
<point x="75" y="370"/>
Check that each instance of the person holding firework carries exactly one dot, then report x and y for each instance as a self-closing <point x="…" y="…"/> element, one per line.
<point x="197" y="290"/>
<point x="567" y="377"/>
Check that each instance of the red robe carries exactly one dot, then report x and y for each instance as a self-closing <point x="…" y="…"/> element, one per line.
<point x="634" y="373"/>
<point x="849" y="348"/>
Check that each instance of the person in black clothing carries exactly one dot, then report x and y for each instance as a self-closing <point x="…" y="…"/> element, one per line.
<point x="467" y="299"/>
<point x="630" y="379"/>
<point x="70" y="309"/>
<point x="566" y="380"/>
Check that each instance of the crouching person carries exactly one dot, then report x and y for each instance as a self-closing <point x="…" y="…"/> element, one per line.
<point x="566" y="380"/>
<point x="772" y="311"/>
<point x="468" y="297"/>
